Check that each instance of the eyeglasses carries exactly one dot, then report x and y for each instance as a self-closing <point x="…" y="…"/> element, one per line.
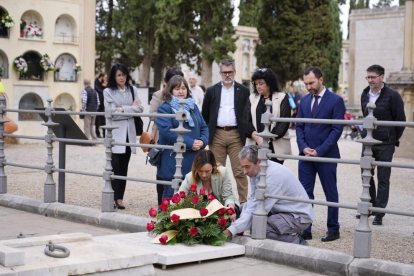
<point x="372" y="77"/>
<point x="250" y="148"/>
<point x="263" y="70"/>
<point x="227" y="73"/>
<point x="121" y="75"/>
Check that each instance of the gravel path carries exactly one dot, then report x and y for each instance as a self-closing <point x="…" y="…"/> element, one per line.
<point x="392" y="241"/>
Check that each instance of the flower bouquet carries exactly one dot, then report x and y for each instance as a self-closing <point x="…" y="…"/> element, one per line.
<point x="47" y="64"/>
<point x="33" y="30"/>
<point x="20" y="65"/>
<point x="77" y="68"/>
<point x="190" y="219"/>
<point x="7" y="21"/>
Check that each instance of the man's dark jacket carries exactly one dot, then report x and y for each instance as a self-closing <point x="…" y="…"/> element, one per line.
<point x="211" y="105"/>
<point x="389" y="107"/>
<point x="92" y="100"/>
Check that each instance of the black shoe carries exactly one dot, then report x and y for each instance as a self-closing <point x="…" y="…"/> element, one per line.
<point x="119" y="206"/>
<point x="98" y="135"/>
<point x="330" y="236"/>
<point x="377" y="220"/>
<point x="358" y="216"/>
<point x="302" y="241"/>
<point x="306" y="235"/>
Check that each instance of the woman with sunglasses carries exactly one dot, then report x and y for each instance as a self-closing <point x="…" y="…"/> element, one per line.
<point x="213" y="178"/>
<point x="125" y="100"/>
<point x="266" y="89"/>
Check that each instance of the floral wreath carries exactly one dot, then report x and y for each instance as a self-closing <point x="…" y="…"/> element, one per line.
<point x="47" y="64"/>
<point x="20" y="64"/>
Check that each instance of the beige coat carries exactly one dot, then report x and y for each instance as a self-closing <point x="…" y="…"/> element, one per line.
<point x="155" y="102"/>
<point x="281" y="145"/>
<point x="220" y="183"/>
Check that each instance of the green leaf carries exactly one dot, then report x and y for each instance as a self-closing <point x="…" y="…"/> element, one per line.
<point x="218" y="240"/>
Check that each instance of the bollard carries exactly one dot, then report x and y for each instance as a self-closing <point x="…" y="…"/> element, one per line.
<point x="50" y="185"/>
<point x="3" y="177"/>
<point x="259" y="223"/>
<point x="179" y="146"/>
<point x="363" y="233"/>
<point x="108" y="192"/>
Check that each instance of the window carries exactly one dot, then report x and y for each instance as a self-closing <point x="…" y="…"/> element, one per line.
<point x="4" y="65"/>
<point x="28" y="102"/>
<point x="4" y="32"/>
<point x="34" y="71"/>
<point x="65" y="29"/>
<point x="66" y="72"/>
<point x="32" y="26"/>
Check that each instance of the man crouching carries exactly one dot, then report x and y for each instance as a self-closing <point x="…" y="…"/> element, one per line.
<point x="286" y="219"/>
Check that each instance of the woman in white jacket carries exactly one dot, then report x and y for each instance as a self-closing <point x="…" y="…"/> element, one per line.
<point x="125" y="99"/>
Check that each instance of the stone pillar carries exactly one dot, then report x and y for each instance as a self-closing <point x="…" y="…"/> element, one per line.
<point x="259" y="223"/>
<point x="409" y="36"/>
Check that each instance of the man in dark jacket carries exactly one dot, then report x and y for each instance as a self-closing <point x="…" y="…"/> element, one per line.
<point x="223" y="107"/>
<point x="100" y="120"/>
<point x="90" y="102"/>
<point x="389" y="107"/>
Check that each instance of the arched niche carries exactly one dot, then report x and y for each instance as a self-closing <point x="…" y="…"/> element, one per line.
<point x="34" y="71"/>
<point x="4" y="64"/>
<point x="34" y="25"/>
<point x="66" y="73"/>
<point x="246" y="44"/>
<point x="28" y="102"/>
<point x="65" y="29"/>
<point x="4" y="32"/>
<point x="66" y="101"/>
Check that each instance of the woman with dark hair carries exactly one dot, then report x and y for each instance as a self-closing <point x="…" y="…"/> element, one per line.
<point x="125" y="99"/>
<point x="176" y="90"/>
<point x="266" y="89"/>
<point x="211" y="176"/>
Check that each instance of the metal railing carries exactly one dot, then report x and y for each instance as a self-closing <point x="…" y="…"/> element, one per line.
<point x="107" y="174"/>
<point x="363" y="232"/>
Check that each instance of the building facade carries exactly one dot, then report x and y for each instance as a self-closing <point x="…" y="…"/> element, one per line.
<point x="343" y="71"/>
<point x="65" y="32"/>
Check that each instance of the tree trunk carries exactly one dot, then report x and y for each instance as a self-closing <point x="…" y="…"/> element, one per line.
<point x="108" y="58"/>
<point x="157" y="74"/>
<point x="146" y="63"/>
<point x="207" y="67"/>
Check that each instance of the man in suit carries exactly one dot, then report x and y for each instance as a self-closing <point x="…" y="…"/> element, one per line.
<point x="320" y="140"/>
<point x="389" y="107"/>
<point x="223" y="107"/>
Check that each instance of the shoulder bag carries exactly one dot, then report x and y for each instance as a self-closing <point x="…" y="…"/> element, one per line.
<point x="139" y="124"/>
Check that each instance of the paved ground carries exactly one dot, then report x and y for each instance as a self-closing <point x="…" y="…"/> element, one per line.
<point x="14" y="221"/>
<point x="393" y="241"/>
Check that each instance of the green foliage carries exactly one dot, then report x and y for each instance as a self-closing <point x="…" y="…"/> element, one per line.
<point x="383" y="4"/>
<point x="401" y="2"/>
<point x="249" y="12"/>
<point x="294" y="35"/>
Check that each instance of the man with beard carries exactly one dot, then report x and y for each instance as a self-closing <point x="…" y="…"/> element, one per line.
<point x="320" y="140"/>
<point x="223" y="107"/>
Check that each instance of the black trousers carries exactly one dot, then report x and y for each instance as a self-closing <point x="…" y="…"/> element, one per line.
<point x="379" y="197"/>
<point x="99" y="121"/>
<point x="160" y="191"/>
<point x="120" y="167"/>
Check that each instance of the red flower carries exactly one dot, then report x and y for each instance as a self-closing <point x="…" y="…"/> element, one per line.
<point x="202" y="191"/>
<point x="221" y="212"/>
<point x="222" y="222"/>
<point x="230" y="211"/>
<point x="193" y="188"/>
<point x="195" y="199"/>
<point x="29" y="28"/>
<point x="164" y="239"/>
<point x="176" y="198"/>
<point x="150" y="226"/>
<point x="203" y="212"/>
<point x="174" y="218"/>
<point x="40" y="29"/>
<point x="211" y="197"/>
<point x="163" y="207"/>
<point x="182" y="194"/>
<point x="193" y="231"/>
<point x="166" y="201"/>
<point x="152" y="212"/>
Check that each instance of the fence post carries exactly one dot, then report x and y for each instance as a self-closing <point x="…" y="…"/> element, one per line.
<point x="50" y="185"/>
<point x="108" y="192"/>
<point x="3" y="177"/>
<point x="363" y="233"/>
<point x="179" y="146"/>
<point x="259" y="223"/>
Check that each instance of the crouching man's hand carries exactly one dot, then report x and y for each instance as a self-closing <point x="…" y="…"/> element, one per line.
<point x="227" y="232"/>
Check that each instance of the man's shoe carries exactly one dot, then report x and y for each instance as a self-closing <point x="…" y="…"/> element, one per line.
<point x="98" y="135"/>
<point x="377" y="220"/>
<point x="302" y="241"/>
<point x="358" y="216"/>
<point x="306" y="235"/>
<point x="330" y="236"/>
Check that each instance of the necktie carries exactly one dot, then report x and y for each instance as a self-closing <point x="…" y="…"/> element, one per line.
<point x="315" y="105"/>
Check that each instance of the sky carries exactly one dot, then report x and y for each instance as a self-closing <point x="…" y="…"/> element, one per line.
<point x="343" y="16"/>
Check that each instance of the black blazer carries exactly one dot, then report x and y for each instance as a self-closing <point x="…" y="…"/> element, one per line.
<point x="211" y="106"/>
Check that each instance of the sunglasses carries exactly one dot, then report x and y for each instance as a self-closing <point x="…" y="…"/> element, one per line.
<point x="262" y="70"/>
<point x="250" y="148"/>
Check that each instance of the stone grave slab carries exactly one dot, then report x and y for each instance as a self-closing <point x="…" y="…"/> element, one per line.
<point x="86" y="257"/>
<point x="174" y="254"/>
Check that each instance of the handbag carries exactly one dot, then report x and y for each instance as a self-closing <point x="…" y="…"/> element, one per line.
<point x="139" y="124"/>
<point x="154" y="157"/>
<point x="146" y="138"/>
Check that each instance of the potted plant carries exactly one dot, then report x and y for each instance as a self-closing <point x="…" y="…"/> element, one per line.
<point x="77" y="68"/>
<point x="47" y="64"/>
<point x="6" y="21"/>
<point x="22" y="27"/>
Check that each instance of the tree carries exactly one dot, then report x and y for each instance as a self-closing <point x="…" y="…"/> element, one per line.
<point x="401" y="2"/>
<point x="383" y="4"/>
<point x="294" y="35"/>
<point x="249" y="12"/>
<point x="331" y="70"/>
